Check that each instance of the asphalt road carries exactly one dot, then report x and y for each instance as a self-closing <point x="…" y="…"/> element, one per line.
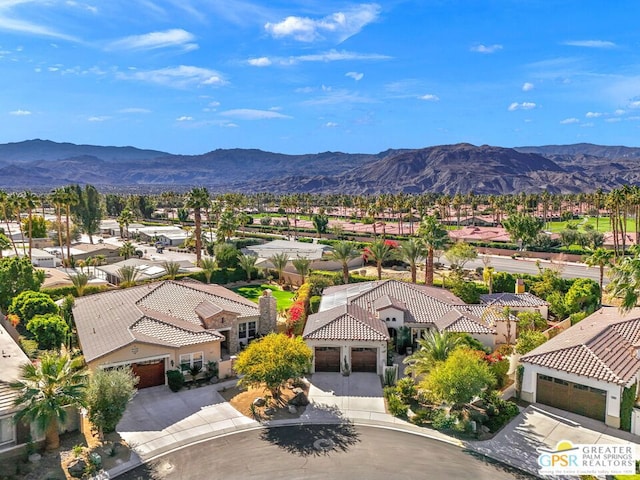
<point x="297" y="453"/>
<point x="508" y="264"/>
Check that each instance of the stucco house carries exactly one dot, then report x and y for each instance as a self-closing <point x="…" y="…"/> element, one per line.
<point x="166" y="325"/>
<point x="517" y="302"/>
<point x="355" y="321"/>
<point x="585" y="368"/>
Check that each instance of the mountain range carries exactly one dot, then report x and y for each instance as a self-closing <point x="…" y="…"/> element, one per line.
<point x="40" y="165"/>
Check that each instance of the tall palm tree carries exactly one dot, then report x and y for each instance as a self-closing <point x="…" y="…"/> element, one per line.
<point x="344" y="252"/>
<point x="433" y="347"/>
<point x="15" y="203"/>
<point x="46" y="389"/>
<point x="412" y="251"/>
<point x="434" y="237"/>
<point x="58" y="199"/>
<point x="127" y="250"/>
<point x="208" y="266"/>
<point x="30" y="202"/>
<point x="70" y="199"/>
<point x="198" y="199"/>
<point x="279" y="262"/>
<point x="80" y="282"/>
<point x="601" y="258"/>
<point x="380" y="252"/>
<point x="248" y="264"/>
<point x="625" y="281"/>
<point x="125" y="218"/>
<point x="6" y="213"/>
<point x="302" y="266"/>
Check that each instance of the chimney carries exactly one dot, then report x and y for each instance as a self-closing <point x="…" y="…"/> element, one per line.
<point x="268" y="313"/>
<point x="519" y="285"/>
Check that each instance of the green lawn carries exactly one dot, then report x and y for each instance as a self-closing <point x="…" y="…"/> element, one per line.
<point x="253" y="293"/>
<point x="603" y="224"/>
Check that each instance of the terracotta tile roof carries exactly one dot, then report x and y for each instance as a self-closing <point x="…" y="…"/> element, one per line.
<point x="171" y="334"/>
<point x="207" y="309"/>
<point x="386" y="301"/>
<point x="463" y="322"/>
<point x="513" y="300"/>
<point x="603" y="346"/>
<point x="345" y="322"/>
<point x="105" y="321"/>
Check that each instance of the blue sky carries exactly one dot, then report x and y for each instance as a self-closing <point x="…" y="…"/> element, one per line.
<point x="190" y="76"/>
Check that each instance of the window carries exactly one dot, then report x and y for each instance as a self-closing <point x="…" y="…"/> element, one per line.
<point x="393" y="319"/>
<point x="242" y="330"/>
<point x="252" y="329"/>
<point x="191" y="360"/>
<point x="6" y="430"/>
<point x="247" y="330"/>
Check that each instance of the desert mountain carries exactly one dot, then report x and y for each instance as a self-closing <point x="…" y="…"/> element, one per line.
<point x="460" y="168"/>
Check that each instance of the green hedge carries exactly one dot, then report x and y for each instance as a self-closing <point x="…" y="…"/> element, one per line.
<point x="61" y="292"/>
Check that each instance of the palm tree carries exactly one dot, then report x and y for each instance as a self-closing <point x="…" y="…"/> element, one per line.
<point x="70" y="199"/>
<point x="434" y="347"/>
<point x="248" y="264"/>
<point x="4" y="207"/>
<point x="30" y="203"/>
<point x="227" y="224"/>
<point x="434" y="237"/>
<point x="208" y="266"/>
<point x="46" y="389"/>
<point x="344" y="252"/>
<point x="127" y="250"/>
<point x="302" y="266"/>
<point x="279" y="262"/>
<point x="15" y="203"/>
<point x="380" y="251"/>
<point x="412" y="251"/>
<point x="198" y="199"/>
<point x="80" y="282"/>
<point x="601" y="258"/>
<point x="172" y="269"/>
<point x="128" y="275"/>
<point x="58" y="199"/>
<point x="124" y="220"/>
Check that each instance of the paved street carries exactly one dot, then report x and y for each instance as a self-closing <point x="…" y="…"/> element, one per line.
<point x="338" y="452"/>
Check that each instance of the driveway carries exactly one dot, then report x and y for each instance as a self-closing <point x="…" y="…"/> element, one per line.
<point x="354" y="395"/>
<point x="543" y="426"/>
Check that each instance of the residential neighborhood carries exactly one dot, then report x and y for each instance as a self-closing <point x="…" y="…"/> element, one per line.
<point x="277" y="327"/>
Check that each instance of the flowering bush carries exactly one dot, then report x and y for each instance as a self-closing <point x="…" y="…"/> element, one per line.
<point x="297" y="313"/>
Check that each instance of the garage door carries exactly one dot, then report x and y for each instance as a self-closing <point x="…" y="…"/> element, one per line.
<point x="327" y="359"/>
<point x="573" y="397"/>
<point x="150" y="373"/>
<point x="364" y="360"/>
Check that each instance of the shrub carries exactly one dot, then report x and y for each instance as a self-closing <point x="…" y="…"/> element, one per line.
<point x="390" y="390"/>
<point x="442" y="421"/>
<point x="314" y="303"/>
<point x="466" y="291"/>
<point x="500" y="369"/>
<point x="577" y="317"/>
<point x="423" y="415"/>
<point x="50" y="331"/>
<point x="175" y="379"/>
<point x="396" y="406"/>
<point x="499" y="411"/>
<point x="406" y="389"/>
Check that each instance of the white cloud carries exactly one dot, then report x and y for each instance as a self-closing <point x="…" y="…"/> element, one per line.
<point x="569" y="121"/>
<point x="527" y="87"/>
<point x="180" y="77"/>
<point x="634" y="104"/>
<point x="355" y="75"/>
<point x="175" y="37"/>
<point x="430" y="97"/>
<point x="613" y="120"/>
<point x="619" y="111"/>
<point x="253" y="114"/>
<point x="134" y="110"/>
<point x="14" y="25"/>
<point x="334" y="55"/>
<point x="20" y="113"/>
<point x="486" y="48"/>
<point x="184" y="118"/>
<point x="521" y="106"/>
<point x="98" y="118"/>
<point x="591" y="43"/>
<point x="338" y="26"/>
<point x="331" y="124"/>
<point x="214" y="104"/>
<point x="259" y="62"/>
<point x="586" y="125"/>
<point x="593" y="114"/>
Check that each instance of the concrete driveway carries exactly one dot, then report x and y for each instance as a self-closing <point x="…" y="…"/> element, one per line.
<point x="543" y="426"/>
<point x="353" y="395"/>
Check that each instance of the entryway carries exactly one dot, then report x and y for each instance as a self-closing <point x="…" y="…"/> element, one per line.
<point x="151" y="373"/>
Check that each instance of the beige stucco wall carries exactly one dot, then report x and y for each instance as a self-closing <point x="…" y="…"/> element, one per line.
<point x="345" y="350"/>
<point x="614" y="392"/>
<point x="391" y="313"/>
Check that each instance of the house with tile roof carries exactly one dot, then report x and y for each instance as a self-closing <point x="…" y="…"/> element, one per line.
<point x="166" y="325"/>
<point x="12" y="434"/>
<point x="355" y="321"/>
<point x="585" y="368"/>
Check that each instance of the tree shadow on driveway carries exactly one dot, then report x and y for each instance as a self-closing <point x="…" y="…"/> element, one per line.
<point x="312" y="439"/>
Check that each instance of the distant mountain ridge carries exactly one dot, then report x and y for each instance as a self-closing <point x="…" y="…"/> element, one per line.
<point x="459" y="168"/>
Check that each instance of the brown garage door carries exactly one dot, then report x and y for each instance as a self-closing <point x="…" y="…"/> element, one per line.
<point x="151" y="373"/>
<point x="573" y="397"/>
<point x="364" y="360"/>
<point x="327" y="359"/>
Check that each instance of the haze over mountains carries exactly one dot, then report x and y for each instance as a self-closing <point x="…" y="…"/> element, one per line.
<point x="42" y="164"/>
